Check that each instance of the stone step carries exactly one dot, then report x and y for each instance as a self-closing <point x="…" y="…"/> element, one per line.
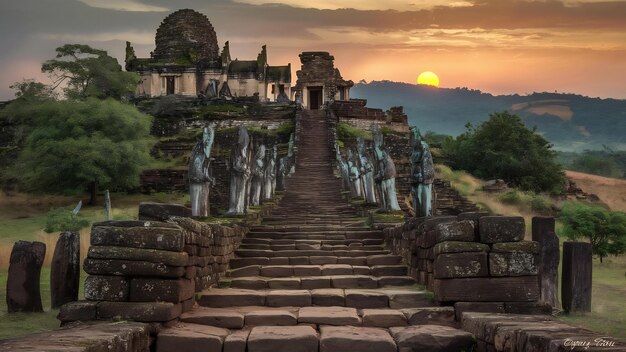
<point x="283" y="241"/>
<point x="315" y="282"/>
<point x="372" y="260"/>
<point x="313" y="229"/>
<point x="307" y="246"/>
<point x="318" y="235"/>
<point x="247" y="253"/>
<point x="248" y="316"/>
<point x="318" y="270"/>
<point x="395" y="298"/>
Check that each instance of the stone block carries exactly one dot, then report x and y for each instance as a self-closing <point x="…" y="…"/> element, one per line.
<point x="351" y="338"/>
<point x="328" y="297"/>
<point x="353" y="281"/>
<point x="432" y="338"/>
<point x="389" y="270"/>
<point x="231" y="298"/>
<point x="430" y="316"/>
<point x="249" y="283"/>
<point x="513" y="263"/>
<point x="487" y="289"/>
<point x="399" y="298"/>
<point x="307" y="270"/>
<point x="270" y="318"/>
<point x="22" y="287"/>
<point x="277" y="271"/>
<point x="78" y="311"/>
<point x="131" y="268"/>
<point x="336" y="269"/>
<point x="107" y="288"/>
<point x="220" y="317"/>
<point x="284" y="283"/>
<point x="462" y="231"/>
<point x="144" y="312"/>
<point x="236" y="341"/>
<point x="150" y="235"/>
<point x="531" y="247"/>
<point x="457" y="265"/>
<point x="361" y="270"/>
<point x="383" y="318"/>
<point x="288" y="298"/>
<point x="162" y="211"/>
<point x="329" y="316"/>
<point x="65" y="269"/>
<point x="495" y="229"/>
<point x="191" y="338"/>
<point x="314" y="282"/>
<point x="159" y="290"/>
<point x="322" y="260"/>
<point x="383" y="259"/>
<point x="459" y="247"/>
<point x="366" y="299"/>
<point x="283" y="339"/>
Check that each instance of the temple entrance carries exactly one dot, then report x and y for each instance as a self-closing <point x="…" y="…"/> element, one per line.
<point x="315" y="98"/>
<point x="169" y="85"/>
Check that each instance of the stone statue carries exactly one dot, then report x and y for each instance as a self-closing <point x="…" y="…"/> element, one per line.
<point x="422" y="175"/>
<point x="270" y="174"/>
<point x="343" y="168"/>
<point x="367" y="173"/>
<point x="239" y="173"/>
<point x="386" y="173"/>
<point x="258" y="175"/>
<point x="280" y="175"/>
<point x="225" y="91"/>
<point x="200" y="179"/>
<point x="211" y="89"/>
<point x="354" y="175"/>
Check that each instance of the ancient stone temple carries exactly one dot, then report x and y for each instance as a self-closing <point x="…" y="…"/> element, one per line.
<point x="319" y="81"/>
<point x="187" y="61"/>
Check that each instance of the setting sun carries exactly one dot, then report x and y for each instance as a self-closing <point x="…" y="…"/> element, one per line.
<point x="428" y="78"/>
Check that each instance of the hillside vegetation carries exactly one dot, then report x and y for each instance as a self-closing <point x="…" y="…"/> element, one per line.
<point x="572" y="122"/>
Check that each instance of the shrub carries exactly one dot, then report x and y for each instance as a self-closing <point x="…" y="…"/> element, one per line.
<point x="62" y="219"/>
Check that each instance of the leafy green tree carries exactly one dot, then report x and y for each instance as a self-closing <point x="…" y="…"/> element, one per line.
<point x="503" y="147"/>
<point x="605" y="230"/>
<point x="77" y="144"/>
<point x="89" y="72"/>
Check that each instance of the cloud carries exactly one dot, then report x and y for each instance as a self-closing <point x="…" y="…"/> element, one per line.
<point x="124" y="5"/>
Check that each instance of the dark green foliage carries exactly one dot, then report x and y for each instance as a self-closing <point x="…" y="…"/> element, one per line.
<point x="345" y="131"/>
<point x="435" y="139"/>
<point x="89" y="72"/>
<point x="74" y="143"/>
<point x="605" y="229"/>
<point x="605" y="162"/>
<point x="62" y="219"/>
<point x="504" y="148"/>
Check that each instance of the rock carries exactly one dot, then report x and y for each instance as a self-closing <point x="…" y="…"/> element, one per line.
<point x="459" y="247"/>
<point x="162" y="211"/>
<point x="270" y="318"/>
<point x="462" y="231"/>
<point x="191" y="338"/>
<point x="283" y="339"/>
<point x="148" y="312"/>
<point x="65" y="269"/>
<point x="107" y="288"/>
<point x="159" y="290"/>
<point x="328" y="297"/>
<point x="513" y="264"/>
<point x="23" y="292"/>
<point x="350" y="338"/>
<point x="139" y="254"/>
<point x="455" y="265"/>
<point x="329" y="316"/>
<point x="383" y="318"/>
<point x="495" y="229"/>
<point x="432" y="338"/>
<point x="223" y="318"/>
<point x="408" y="299"/>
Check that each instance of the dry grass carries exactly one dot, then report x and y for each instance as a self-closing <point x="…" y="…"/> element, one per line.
<point x="612" y="191"/>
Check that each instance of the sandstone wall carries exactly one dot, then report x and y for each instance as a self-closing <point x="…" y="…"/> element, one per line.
<point x="148" y="270"/>
<point x="472" y="261"/>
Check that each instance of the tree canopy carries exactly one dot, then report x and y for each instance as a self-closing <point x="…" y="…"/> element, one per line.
<point x="504" y="148"/>
<point x="89" y="72"/>
<point x="604" y="229"/>
<point x="73" y="144"/>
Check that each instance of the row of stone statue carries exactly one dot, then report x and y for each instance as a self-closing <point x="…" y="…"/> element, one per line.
<point x="370" y="172"/>
<point x="256" y="172"/>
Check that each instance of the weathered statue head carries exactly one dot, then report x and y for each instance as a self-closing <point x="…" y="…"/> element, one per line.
<point x="416" y="137"/>
<point x="360" y="145"/>
<point x="291" y="144"/>
<point x="260" y="153"/>
<point x="243" y="140"/>
<point x="208" y="137"/>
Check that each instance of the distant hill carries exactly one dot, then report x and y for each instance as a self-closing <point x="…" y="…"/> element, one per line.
<point x="572" y="122"/>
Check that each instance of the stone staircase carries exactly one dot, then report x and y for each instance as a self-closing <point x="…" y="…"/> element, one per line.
<point x="312" y="277"/>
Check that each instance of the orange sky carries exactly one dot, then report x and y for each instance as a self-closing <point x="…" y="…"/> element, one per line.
<point x="498" y="46"/>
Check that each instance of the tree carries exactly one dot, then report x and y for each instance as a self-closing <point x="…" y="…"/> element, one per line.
<point x="503" y="147"/>
<point x="89" y="72"/>
<point x="605" y="230"/>
<point x="77" y="144"/>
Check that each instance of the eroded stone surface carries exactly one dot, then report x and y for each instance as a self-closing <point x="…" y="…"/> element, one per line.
<point x="283" y="339"/>
<point x="329" y="316"/>
<point x="350" y="338"/>
<point x="432" y="338"/>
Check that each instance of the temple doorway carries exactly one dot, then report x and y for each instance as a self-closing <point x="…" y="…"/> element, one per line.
<point x="315" y="98"/>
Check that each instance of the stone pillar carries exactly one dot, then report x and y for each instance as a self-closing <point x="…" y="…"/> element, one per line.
<point x="576" y="278"/>
<point x="543" y="232"/>
<point x="65" y="269"/>
<point x="23" y="293"/>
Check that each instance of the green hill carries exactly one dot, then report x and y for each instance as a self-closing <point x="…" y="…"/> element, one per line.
<point x="572" y="122"/>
